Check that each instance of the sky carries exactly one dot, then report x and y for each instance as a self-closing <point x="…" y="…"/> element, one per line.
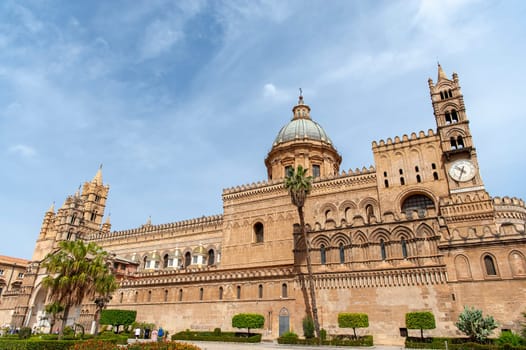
<point x="181" y="99"/>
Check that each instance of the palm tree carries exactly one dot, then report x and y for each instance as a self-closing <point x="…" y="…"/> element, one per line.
<point x="299" y="186"/>
<point x="54" y="310"/>
<point x="77" y="271"/>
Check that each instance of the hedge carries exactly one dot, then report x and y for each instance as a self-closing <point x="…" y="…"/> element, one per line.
<point x="361" y="341"/>
<point x="224" y="337"/>
<point x="36" y="344"/>
<point x="455" y="344"/>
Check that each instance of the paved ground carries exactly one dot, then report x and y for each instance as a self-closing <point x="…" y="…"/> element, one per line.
<point x="274" y="346"/>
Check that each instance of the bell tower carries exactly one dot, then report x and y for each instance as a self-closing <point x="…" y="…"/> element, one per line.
<point x="94" y="196"/>
<point x="459" y="154"/>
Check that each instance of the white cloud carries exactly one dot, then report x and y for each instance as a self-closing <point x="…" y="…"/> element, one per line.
<point x="159" y="37"/>
<point x="269" y="90"/>
<point x="22" y="150"/>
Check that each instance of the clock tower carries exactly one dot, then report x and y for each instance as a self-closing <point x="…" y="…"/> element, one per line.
<point x="459" y="154"/>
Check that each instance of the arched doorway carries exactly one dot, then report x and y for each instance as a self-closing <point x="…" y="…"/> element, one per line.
<point x="284" y="321"/>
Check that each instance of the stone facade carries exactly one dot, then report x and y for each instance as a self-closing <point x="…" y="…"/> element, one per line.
<point x="417" y="231"/>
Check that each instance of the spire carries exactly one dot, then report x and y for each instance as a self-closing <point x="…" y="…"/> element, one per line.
<point x="301" y="110"/>
<point x="51" y="208"/>
<point x="77" y="193"/>
<point x="107" y="222"/>
<point x="441" y="74"/>
<point x="98" y="177"/>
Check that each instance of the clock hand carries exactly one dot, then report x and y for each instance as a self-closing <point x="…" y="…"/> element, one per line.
<point x="461" y="173"/>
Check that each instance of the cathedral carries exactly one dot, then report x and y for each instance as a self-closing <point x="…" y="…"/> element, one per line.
<point x="415" y="232"/>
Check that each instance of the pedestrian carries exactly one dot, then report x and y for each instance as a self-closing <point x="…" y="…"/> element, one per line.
<point x="160" y="334"/>
<point x="137" y="333"/>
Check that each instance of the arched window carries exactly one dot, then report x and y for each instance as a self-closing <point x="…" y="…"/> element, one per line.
<point x="417" y="202"/>
<point x="315" y="171"/>
<point x="260" y="291"/>
<point x="404" y="248"/>
<point x="258" y="232"/>
<point x="448" y="118"/>
<point x="382" y="249"/>
<point x="201" y="292"/>
<point x="70" y="235"/>
<point x="145" y="261"/>
<point x="220" y="293"/>
<point x="180" y="295"/>
<point x="460" y="142"/>
<point x="490" y="266"/>
<point x="211" y="257"/>
<point x="187" y="259"/>
<point x="73" y="218"/>
<point x="238" y="292"/>
<point x="121" y="296"/>
<point x="165" y="260"/>
<point x="93" y="215"/>
<point x="149" y="295"/>
<point x="454" y="116"/>
<point x="342" y="253"/>
<point x="369" y="212"/>
<point x="284" y="291"/>
<point x="418" y="178"/>
<point x="323" y="255"/>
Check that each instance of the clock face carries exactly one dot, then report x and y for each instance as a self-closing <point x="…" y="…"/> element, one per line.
<point x="462" y="170"/>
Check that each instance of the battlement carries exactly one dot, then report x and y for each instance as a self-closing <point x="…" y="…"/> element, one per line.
<point x="277" y="185"/>
<point x="504" y="201"/>
<point x="149" y="228"/>
<point x="402" y="142"/>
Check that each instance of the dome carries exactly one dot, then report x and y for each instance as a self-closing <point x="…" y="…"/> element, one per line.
<point x="298" y="129"/>
<point x="200" y="250"/>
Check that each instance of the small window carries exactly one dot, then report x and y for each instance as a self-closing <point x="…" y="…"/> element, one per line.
<point x="402" y="180"/>
<point x="323" y="255"/>
<point x="448" y="118"/>
<point x="73" y="218"/>
<point x="93" y="216"/>
<point x="460" y="142"/>
<point x="401" y="171"/>
<point x="288" y="170"/>
<point x="97" y="198"/>
<point x="417" y="169"/>
<point x="284" y="291"/>
<point x="259" y="232"/>
<point x="166" y="295"/>
<point x="121" y="296"/>
<point x="165" y="261"/>
<point x="220" y="293"/>
<point x="404" y="248"/>
<point x="20" y="275"/>
<point x="149" y="295"/>
<point x="180" y="297"/>
<point x="260" y="291"/>
<point x="386" y="183"/>
<point x="187" y="259"/>
<point x="315" y="171"/>
<point x="211" y="257"/>
<point x="385" y="173"/>
<point x="369" y="212"/>
<point x="435" y="175"/>
<point x="490" y="266"/>
<point x="433" y="166"/>
<point x="1" y="272"/>
<point x="238" y="293"/>
<point x="382" y="250"/>
<point x="201" y="292"/>
<point x="441" y="95"/>
<point x="450" y="93"/>
<point x="342" y="253"/>
<point x="418" y="179"/>
<point x="454" y="116"/>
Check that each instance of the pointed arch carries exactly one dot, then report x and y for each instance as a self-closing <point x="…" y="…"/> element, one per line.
<point x="379" y="234"/>
<point x="517" y="263"/>
<point x="360" y="238"/>
<point x="462" y="267"/>
<point x="424" y="230"/>
<point x="402" y="232"/>
<point x="342" y="238"/>
<point x="320" y="240"/>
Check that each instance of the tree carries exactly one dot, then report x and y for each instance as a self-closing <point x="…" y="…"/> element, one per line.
<point x="299" y="186"/>
<point x="77" y="271"/>
<point x="54" y="310"/>
<point x="477" y="327"/>
<point x="308" y="327"/>
<point x="420" y="320"/>
<point x="353" y="320"/>
<point x="118" y="318"/>
<point x="248" y="321"/>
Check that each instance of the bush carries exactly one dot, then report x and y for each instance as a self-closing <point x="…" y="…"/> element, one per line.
<point x="248" y="321"/>
<point x="35" y="344"/>
<point x="118" y="318"/>
<point x="24" y="333"/>
<point x="217" y="331"/>
<point x="420" y="320"/>
<point x="288" y="338"/>
<point x="323" y="334"/>
<point x="477" y="327"/>
<point x="510" y="338"/>
<point x="224" y="337"/>
<point x="353" y="320"/>
<point x="308" y="327"/>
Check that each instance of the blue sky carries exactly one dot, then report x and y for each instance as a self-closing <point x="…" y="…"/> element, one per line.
<point x="181" y="99"/>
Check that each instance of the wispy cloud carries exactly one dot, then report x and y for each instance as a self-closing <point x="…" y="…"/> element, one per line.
<point x="22" y="150"/>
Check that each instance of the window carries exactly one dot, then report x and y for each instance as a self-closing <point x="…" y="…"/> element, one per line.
<point x="260" y="291"/>
<point x="342" y="253"/>
<point x="187" y="259"/>
<point x="490" y="266"/>
<point x="401" y="171"/>
<point x="97" y="198"/>
<point x="238" y="292"/>
<point x="441" y="95"/>
<point x="93" y="216"/>
<point x="211" y="257"/>
<point x="454" y="116"/>
<point x="315" y="171"/>
<point x="369" y="212"/>
<point x="73" y="218"/>
<point x="288" y="170"/>
<point x="201" y="292"/>
<point x="165" y="261"/>
<point x="121" y="296"/>
<point x="20" y="275"/>
<point x="284" y="291"/>
<point x="385" y="173"/>
<point x="70" y="235"/>
<point x="417" y="169"/>
<point x="404" y="248"/>
<point x="402" y="181"/>
<point x="166" y="295"/>
<point x="259" y="232"/>
<point x="323" y="255"/>
<point x="220" y="293"/>
<point x="417" y="202"/>
<point x="1" y="272"/>
<point x="448" y="118"/>
<point x="149" y="295"/>
<point x="460" y="142"/>
<point x="435" y="175"/>
<point x="386" y="183"/>
<point x="180" y="295"/>
<point x="418" y="178"/>
<point x="382" y="250"/>
<point x="433" y="166"/>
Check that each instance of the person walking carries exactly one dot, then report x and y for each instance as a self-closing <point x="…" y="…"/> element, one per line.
<point x="160" y="334"/>
<point x="137" y="333"/>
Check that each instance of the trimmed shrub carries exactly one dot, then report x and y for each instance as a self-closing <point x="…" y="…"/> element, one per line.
<point x="288" y="338"/>
<point x="224" y="337"/>
<point x="353" y="320"/>
<point x="118" y="318"/>
<point x="308" y="327"/>
<point x="248" y="321"/>
<point x="510" y="338"/>
<point x="420" y="320"/>
<point x="24" y="333"/>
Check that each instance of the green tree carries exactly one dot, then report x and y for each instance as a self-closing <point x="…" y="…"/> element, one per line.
<point x="118" y="318"/>
<point x="353" y="320"/>
<point x="53" y="310"/>
<point x="248" y="321"/>
<point x="77" y="271"/>
<point x="308" y="327"/>
<point x="477" y="327"/>
<point x="420" y="320"/>
<point x="299" y="185"/>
